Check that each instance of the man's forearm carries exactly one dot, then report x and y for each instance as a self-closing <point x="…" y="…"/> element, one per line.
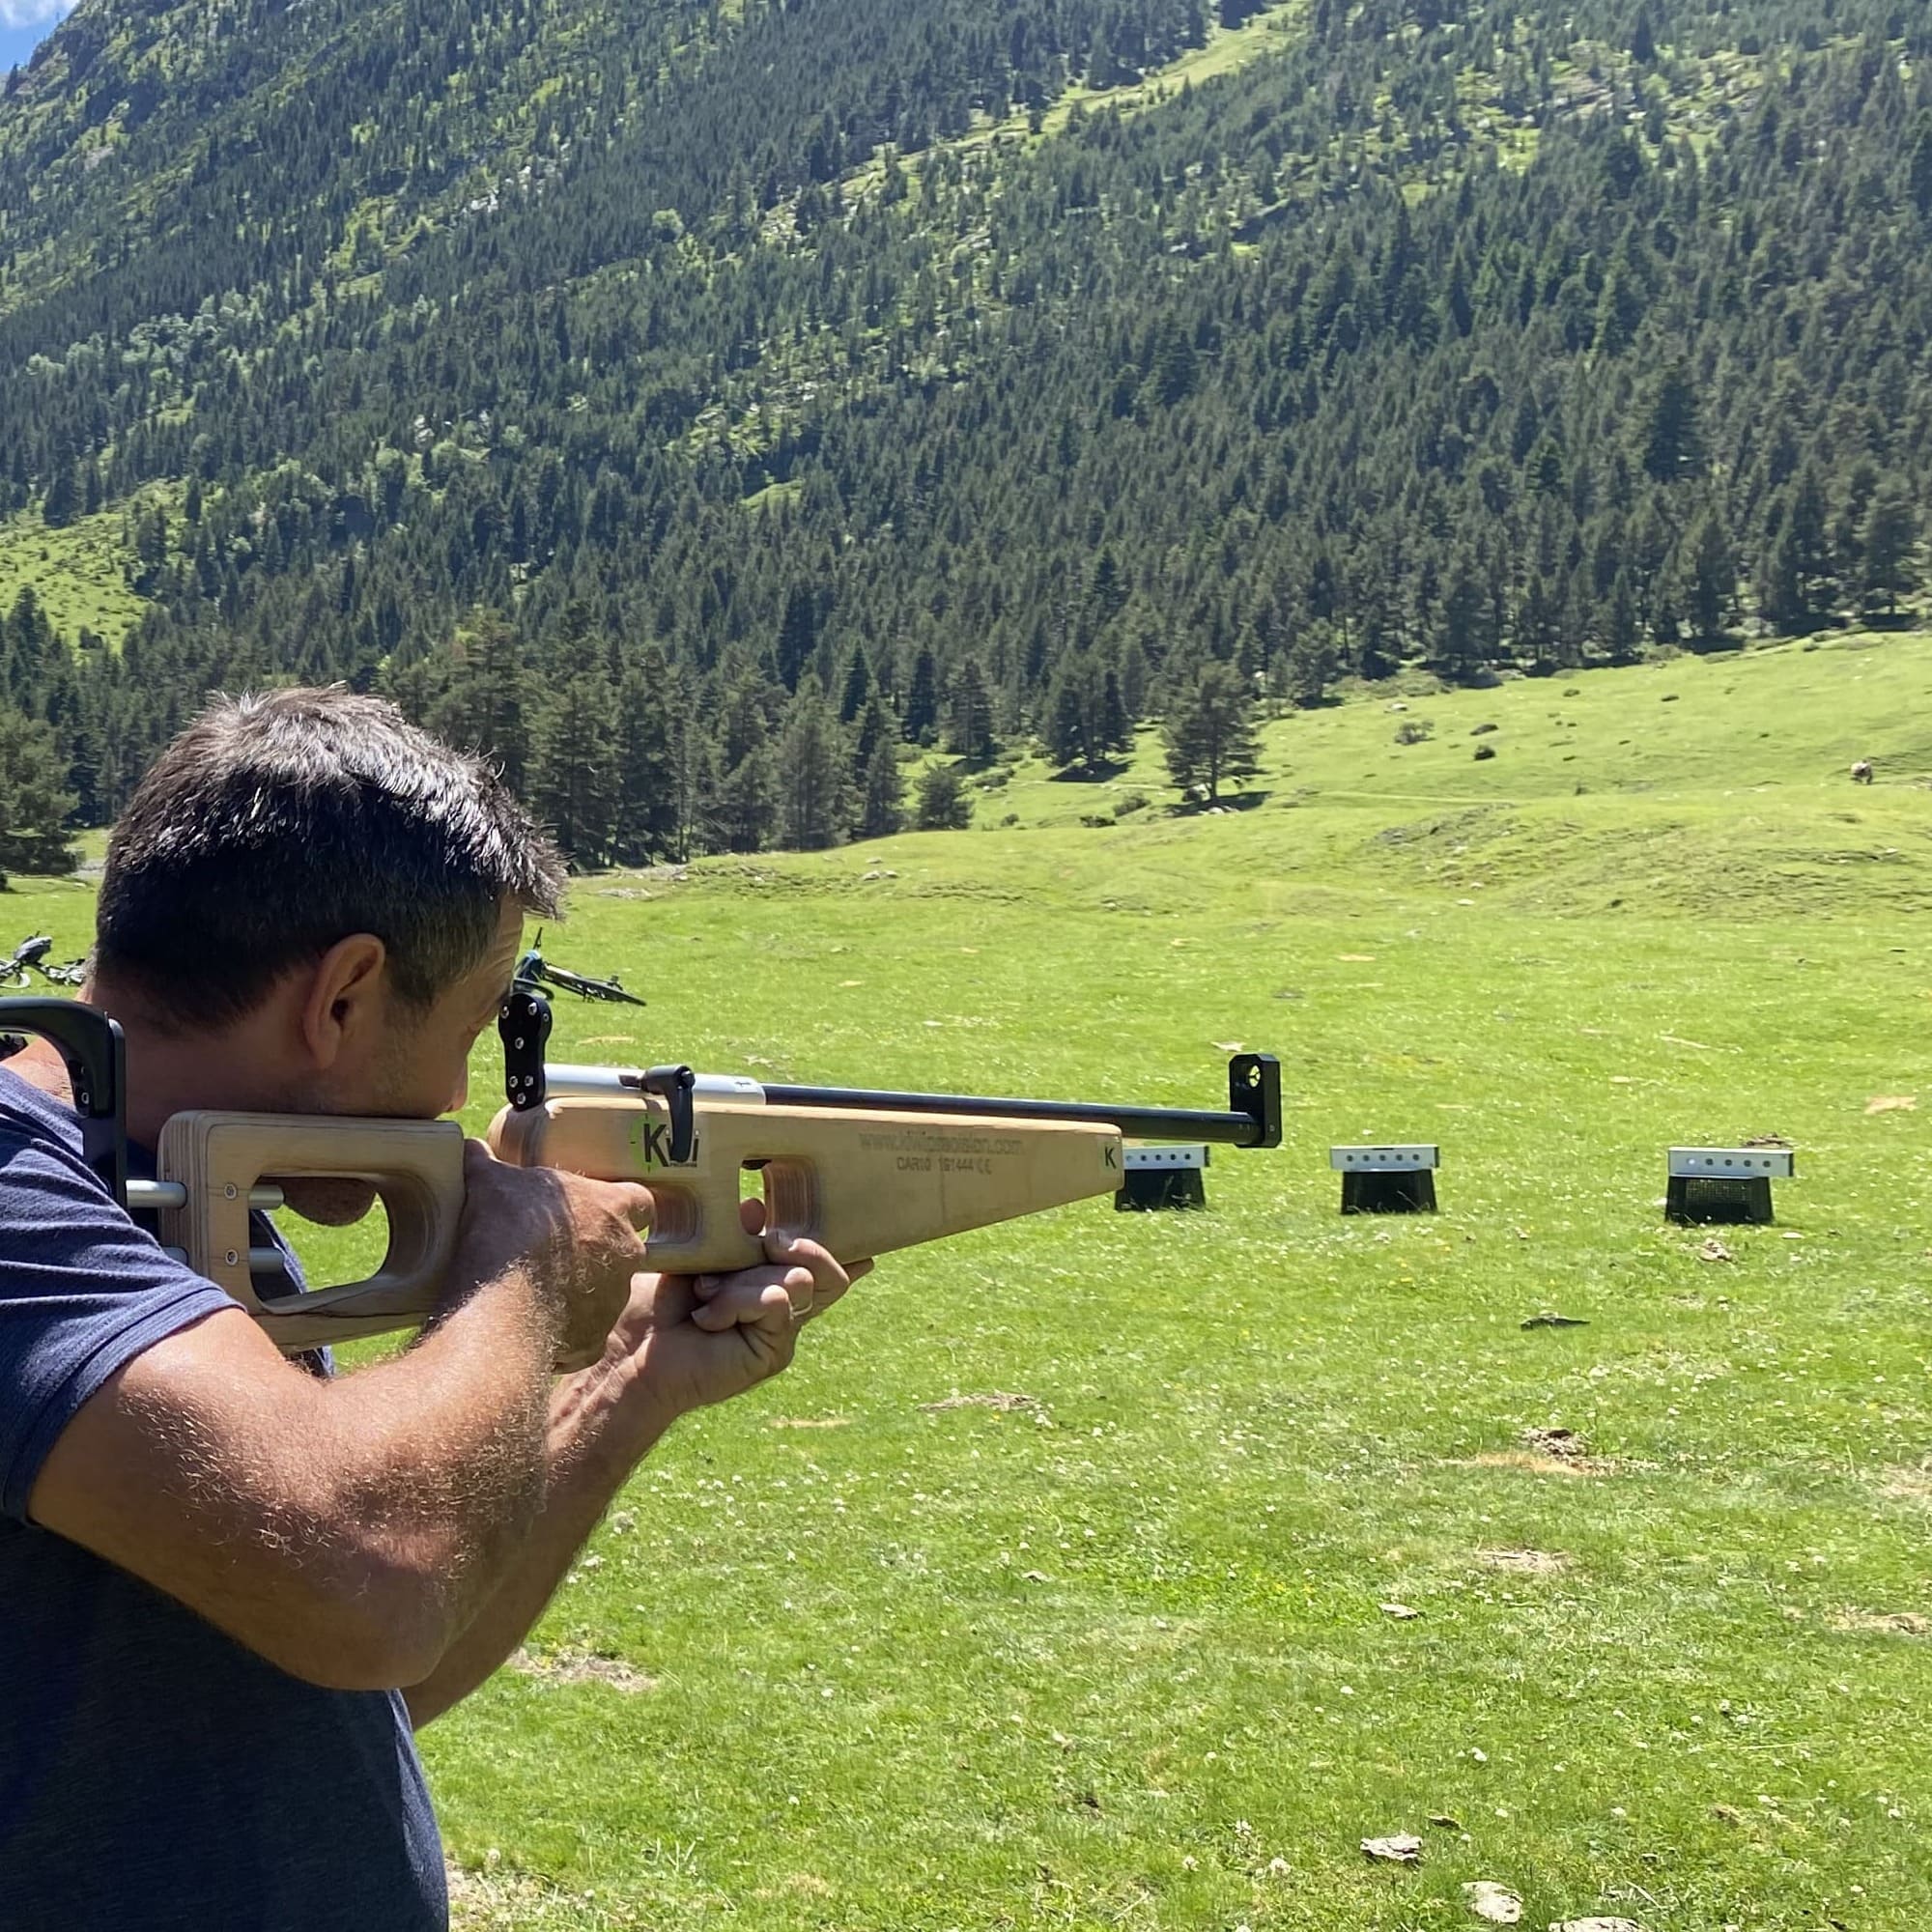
<point x="592" y="1445"/>
<point x="454" y="1492"/>
<point x="344" y="1530"/>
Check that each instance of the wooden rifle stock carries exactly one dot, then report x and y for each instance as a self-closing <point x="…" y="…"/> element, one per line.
<point x="864" y="1172"/>
<point x="414" y="1166"/>
<point x="861" y="1183"/>
<point x="864" y="1184"/>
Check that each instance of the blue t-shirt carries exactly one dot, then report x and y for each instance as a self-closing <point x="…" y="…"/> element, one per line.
<point x="154" y="1773"/>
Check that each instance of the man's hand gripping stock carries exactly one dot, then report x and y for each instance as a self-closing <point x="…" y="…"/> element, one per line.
<point x="658" y="1344"/>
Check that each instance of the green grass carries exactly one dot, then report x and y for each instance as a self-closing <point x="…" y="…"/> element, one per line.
<point x="1115" y="1657"/>
<point x="79" y="574"/>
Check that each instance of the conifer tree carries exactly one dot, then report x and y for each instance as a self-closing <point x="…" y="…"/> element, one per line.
<point x="922" y="705"/>
<point x="744" y="805"/>
<point x="34" y="803"/>
<point x="1312" y="662"/>
<point x="943" y="804"/>
<point x="1112" y="727"/>
<point x="882" y="804"/>
<point x="1711" y="578"/>
<point x="857" y="685"/>
<point x="482" y="710"/>
<point x="797" y="637"/>
<point x="62" y="502"/>
<point x="877" y="725"/>
<point x="1462" y="637"/>
<point x="1209" y="735"/>
<point x="651" y="722"/>
<point x="1890" y="537"/>
<point x="813" y="774"/>
<point x="1798" y="578"/>
<point x="572" y="780"/>
<point x="1065" y="731"/>
<point x="1135" y="675"/>
<point x="1673" y="437"/>
<point x="1920" y="175"/>
<point x="969" y="714"/>
<point x="1623" y="631"/>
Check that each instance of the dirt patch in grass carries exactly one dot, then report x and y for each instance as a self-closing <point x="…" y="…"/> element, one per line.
<point x="1525" y="1562"/>
<point x="797" y="1885"/>
<point x="510" y="1901"/>
<point x="1530" y="1462"/>
<point x="995" y="1399"/>
<point x="1545" y="1452"/>
<point x="1902" y="1485"/>
<point x="810" y="1421"/>
<point x="1892" y="1623"/>
<point x="582" y="1667"/>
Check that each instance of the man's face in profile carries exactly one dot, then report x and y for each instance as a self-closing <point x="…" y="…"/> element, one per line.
<point x="416" y="1067"/>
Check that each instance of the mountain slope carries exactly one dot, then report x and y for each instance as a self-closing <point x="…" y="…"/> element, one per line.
<point x="720" y="353"/>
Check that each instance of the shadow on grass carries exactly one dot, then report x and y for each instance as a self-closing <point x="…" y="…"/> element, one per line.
<point x="1239" y="800"/>
<point x="1093" y="773"/>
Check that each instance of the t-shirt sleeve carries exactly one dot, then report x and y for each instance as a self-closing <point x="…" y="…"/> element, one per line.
<point x="83" y="1291"/>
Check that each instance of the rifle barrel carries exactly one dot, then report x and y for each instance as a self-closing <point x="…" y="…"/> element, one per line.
<point x="1141" y="1123"/>
<point x="1136" y="1122"/>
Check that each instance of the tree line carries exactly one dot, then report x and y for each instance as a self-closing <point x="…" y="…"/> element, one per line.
<point x="1529" y="337"/>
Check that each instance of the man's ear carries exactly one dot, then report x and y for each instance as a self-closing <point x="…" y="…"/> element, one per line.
<point x="345" y="998"/>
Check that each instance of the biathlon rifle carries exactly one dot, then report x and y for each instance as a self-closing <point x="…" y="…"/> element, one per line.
<point x="539" y="976"/>
<point x="865" y="1171"/>
<point x="33" y="953"/>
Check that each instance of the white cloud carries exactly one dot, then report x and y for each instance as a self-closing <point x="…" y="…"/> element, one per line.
<point x="32" y="13"/>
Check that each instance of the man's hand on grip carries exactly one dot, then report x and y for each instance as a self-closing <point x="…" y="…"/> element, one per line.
<point x="579" y="1241"/>
<point x="689" y="1341"/>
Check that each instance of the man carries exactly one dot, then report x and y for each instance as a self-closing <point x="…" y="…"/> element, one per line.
<point x="231" y="1586"/>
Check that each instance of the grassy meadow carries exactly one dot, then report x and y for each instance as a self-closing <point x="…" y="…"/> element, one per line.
<point x="1111" y="1569"/>
<point x="78" y="575"/>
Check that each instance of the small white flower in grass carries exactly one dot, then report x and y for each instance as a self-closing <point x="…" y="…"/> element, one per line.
<point x="1278" y="1868"/>
<point x="1242" y="1829"/>
<point x="1479" y="1754"/>
<point x="1188" y="1862"/>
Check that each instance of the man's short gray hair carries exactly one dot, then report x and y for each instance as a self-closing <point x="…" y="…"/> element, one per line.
<point x="280" y="823"/>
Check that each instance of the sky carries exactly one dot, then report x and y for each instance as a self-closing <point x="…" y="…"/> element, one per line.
<point x="24" y="24"/>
